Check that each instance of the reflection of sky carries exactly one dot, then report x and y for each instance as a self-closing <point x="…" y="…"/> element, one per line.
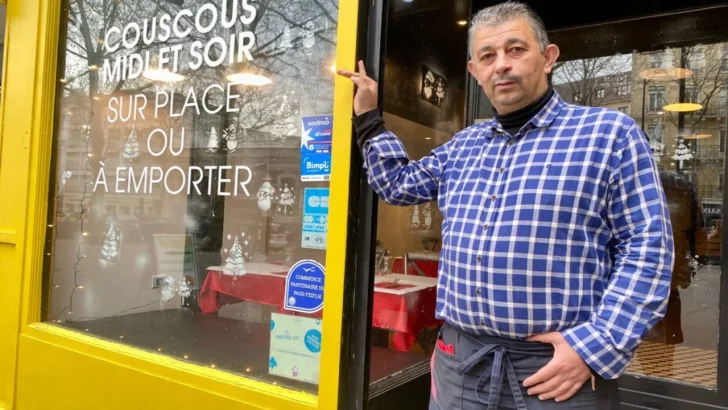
<point x="619" y="64"/>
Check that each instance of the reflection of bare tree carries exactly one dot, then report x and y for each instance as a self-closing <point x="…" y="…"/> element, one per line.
<point x="295" y="65"/>
<point x="590" y="81"/>
<point x="709" y="78"/>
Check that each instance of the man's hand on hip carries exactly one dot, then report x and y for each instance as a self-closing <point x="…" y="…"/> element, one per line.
<point x="563" y="376"/>
<point x="366" y="95"/>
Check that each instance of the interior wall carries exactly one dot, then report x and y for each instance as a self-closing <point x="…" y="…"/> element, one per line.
<point x="393" y="222"/>
<point x="413" y="47"/>
<point x="422" y="36"/>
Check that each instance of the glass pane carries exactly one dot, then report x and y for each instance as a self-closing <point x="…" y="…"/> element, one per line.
<point x="192" y="161"/>
<point x="688" y="143"/>
<point x="424" y="105"/>
<point x="688" y="146"/>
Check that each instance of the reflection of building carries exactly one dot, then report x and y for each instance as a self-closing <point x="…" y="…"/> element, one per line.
<point x="704" y="130"/>
<point x="611" y="91"/>
<point x="691" y="142"/>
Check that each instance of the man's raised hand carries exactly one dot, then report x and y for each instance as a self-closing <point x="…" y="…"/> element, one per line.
<point x="366" y="94"/>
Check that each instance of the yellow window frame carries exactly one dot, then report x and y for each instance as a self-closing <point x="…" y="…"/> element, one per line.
<point x="43" y="366"/>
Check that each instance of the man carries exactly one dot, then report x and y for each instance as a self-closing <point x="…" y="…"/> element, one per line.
<point x="557" y="245"/>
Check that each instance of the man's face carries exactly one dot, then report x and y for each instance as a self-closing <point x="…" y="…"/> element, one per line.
<point x="508" y="63"/>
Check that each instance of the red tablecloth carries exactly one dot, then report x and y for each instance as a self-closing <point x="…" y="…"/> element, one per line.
<point x="405" y="314"/>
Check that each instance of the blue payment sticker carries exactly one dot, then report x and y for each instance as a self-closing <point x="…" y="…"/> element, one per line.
<point x="315" y="218"/>
<point x="316" y="140"/>
<point x="305" y="287"/>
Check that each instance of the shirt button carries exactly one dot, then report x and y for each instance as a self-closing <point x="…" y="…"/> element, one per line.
<point x="478" y="258"/>
<point x="485" y="227"/>
<point x="502" y="169"/>
<point x="482" y="323"/>
<point x="494" y="197"/>
<point x="477" y="291"/>
<point x="511" y="142"/>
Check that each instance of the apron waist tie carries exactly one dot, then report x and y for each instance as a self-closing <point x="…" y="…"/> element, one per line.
<point x="501" y="364"/>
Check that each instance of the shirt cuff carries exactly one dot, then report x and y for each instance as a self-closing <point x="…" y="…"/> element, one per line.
<point x="598" y="353"/>
<point x="367" y="126"/>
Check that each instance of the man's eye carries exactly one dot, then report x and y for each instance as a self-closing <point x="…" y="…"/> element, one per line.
<point x="486" y="56"/>
<point x="518" y="49"/>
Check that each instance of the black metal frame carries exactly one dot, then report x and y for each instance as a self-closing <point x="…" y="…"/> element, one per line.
<point x="361" y="238"/>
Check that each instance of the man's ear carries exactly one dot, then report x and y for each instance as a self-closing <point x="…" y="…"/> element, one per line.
<point x="471" y="69"/>
<point x="552" y="54"/>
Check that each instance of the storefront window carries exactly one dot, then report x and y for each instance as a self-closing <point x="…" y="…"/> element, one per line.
<point x="190" y="201"/>
<point x="688" y="146"/>
<point x="688" y="143"/>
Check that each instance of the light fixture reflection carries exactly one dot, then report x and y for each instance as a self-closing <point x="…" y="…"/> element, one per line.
<point x="248" y="79"/>
<point x="665" y="74"/>
<point x="682" y="107"/>
<point x="243" y="73"/>
<point x="667" y="70"/>
<point x="697" y="136"/>
<point x="163" y="75"/>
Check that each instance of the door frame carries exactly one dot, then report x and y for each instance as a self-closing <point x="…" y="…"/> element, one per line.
<point x="355" y="386"/>
<point x="636" y="392"/>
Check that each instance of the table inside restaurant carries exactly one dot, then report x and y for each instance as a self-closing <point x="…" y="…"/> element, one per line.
<point x="404" y="304"/>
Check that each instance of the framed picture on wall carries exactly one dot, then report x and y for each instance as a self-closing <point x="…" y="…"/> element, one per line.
<point x="433" y="87"/>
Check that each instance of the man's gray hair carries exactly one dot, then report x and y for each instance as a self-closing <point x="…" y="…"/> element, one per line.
<point x="503" y="12"/>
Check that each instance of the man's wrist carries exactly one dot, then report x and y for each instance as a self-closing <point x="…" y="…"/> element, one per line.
<point x="367" y="126"/>
<point x="366" y="110"/>
<point x="602" y="358"/>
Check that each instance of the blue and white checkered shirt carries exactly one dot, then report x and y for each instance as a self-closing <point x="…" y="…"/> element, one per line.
<point x="561" y="227"/>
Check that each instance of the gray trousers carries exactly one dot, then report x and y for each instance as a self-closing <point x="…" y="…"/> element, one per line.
<point x="488" y="373"/>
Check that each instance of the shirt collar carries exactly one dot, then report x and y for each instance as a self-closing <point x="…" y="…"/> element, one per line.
<point x="542" y="119"/>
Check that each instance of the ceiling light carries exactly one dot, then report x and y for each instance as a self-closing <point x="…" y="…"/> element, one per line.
<point x="682" y="107"/>
<point x="462" y="23"/>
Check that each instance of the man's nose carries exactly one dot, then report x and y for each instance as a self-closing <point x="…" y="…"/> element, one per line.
<point x="502" y="64"/>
